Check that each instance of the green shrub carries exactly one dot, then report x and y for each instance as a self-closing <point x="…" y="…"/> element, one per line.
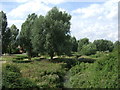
<point x="101" y="74"/>
<point x="27" y="83"/>
<point x="88" y="49"/>
<point x="12" y="78"/>
<point x="11" y="73"/>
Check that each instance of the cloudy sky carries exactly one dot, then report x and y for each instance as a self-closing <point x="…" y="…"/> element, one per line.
<point x="94" y="19"/>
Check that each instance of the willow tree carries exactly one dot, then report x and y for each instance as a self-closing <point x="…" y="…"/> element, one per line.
<point x="57" y="25"/>
<point x="25" y="34"/>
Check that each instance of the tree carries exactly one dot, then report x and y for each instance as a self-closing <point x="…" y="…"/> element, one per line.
<point x="5" y="31"/>
<point x="74" y="44"/>
<point x="88" y="49"/>
<point x="117" y="46"/>
<point x="25" y="34"/>
<point x="57" y="32"/>
<point x="13" y="39"/>
<point x="103" y="45"/>
<point x="38" y="35"/>
<point x="82" y="42"/>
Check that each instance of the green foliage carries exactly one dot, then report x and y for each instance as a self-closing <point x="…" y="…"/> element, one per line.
<point x="13" y="39"/>
<point x="57" y="32"/>
<point x="11" y="73"/>
<point x="98" y="55"/>
<point x="117" y="46"/>
<point x="25" y="34"/>
<point x="5" y="31"/>
<point x="48" y="34"/>
<point x="26" y="83"/>
<point x="44" y="73"/>
<point x="38" y="35"/>
<point x="103" y="45"/>
<point x="12" y="78"/>
<point x="82" y="42"/>
<point x="74" y="44"/>
<point x="101" y="74"/>
<point x="8" y="35"/>
<point x="88" y="49"/>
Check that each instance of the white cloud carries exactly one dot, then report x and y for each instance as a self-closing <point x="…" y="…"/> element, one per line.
<point x="27" y="8"/>
<point x="22" y="11"/>
<point x="16" y="22"/>
<point x="39" y="7"/>
<point x="96" y="21"/>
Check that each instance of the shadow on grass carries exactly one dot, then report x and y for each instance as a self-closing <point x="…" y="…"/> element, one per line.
<point x="72" y="61"/>
<point x="22" y="61"/>
<point x="86" y="60"/>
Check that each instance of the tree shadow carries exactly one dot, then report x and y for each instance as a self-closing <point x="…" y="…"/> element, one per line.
<point x="72" y="61"/>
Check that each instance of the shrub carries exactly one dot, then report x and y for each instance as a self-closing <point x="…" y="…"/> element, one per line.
<point x="101" y="74"/>
<point x="88" y="49"/>
<point x="11" y="73"/>
<point x="26" y="83"/>
<point x="12" y="78"/>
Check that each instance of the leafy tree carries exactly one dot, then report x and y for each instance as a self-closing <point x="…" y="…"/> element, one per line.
<point x="117" y="47"/>
<point x="38" y="35"/>
<point x="82" y="42"/>
<point x="57" y="32"/>
<point x="5" y="31"/>
<point x="25" y="34"/>
<point x="116" y="44"/>
<point x="13" y="39"/>
<point x="103" y="45"/>
<point x="74" y="44"/>
<point x="88" y="49"/>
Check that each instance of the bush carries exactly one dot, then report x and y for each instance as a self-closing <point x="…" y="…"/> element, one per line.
<point x="11" y="73"/>
<point x="88" y="49"/>
<point x="26" y="83"/>
<point x="12" y="78"/>
<point x="101" y="74"/>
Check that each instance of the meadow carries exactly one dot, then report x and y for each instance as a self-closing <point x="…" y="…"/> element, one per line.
<point x="61" y="72"/>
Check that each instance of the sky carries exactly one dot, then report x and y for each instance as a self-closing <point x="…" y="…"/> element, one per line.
<point x="94" y="19"/>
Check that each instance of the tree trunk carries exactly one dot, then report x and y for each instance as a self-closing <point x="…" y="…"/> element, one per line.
<point x="29" y="55"/>
<point x="51" y="55"/>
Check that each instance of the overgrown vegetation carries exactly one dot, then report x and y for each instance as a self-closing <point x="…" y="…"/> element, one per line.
<point x="52" y="58"/>
<point x="42" y="74"/>
<point x="101" y="74"/>
<point x="12" y="78"/>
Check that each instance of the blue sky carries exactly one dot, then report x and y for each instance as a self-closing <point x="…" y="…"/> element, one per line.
<point x="94" y="20"/>
<point x="8" y="6"/>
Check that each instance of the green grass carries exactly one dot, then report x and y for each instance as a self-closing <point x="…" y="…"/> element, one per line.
<point x="8" y="58"/>
<point x="67" y="71"/>
<point x="44" y="73"/>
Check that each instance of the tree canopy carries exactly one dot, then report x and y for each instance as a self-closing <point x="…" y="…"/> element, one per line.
<point x="103" y="45"/>
<point x="81" y="42"/>
<point x="5" y="32"/>
<point x="58" y="32"/>
<point x="25" y="34"/>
